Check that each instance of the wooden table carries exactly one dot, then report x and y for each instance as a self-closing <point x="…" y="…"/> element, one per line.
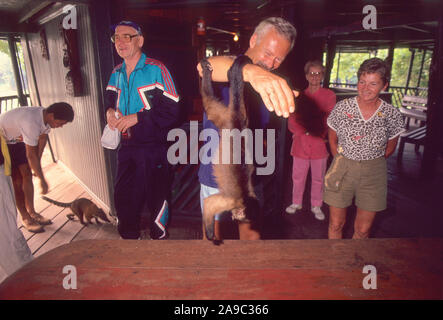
<point x="269" y="269"/>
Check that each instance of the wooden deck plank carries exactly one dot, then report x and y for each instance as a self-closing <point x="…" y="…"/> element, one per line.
<point x="237" y="270"/>
<point x="89" y="232"/>
<point x="102" y="231"/>
<point x="62" y="236"/>
<point x="36" y="242"/>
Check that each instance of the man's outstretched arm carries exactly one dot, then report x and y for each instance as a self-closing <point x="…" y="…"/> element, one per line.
<point x="274" y="90"/>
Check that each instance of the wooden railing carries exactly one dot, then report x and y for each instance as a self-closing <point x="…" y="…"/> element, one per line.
<point x="11" y="102"/>
<point x="399" y="92"/>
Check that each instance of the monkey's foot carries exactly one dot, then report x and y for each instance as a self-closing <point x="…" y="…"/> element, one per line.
<point x="239" y="214"/>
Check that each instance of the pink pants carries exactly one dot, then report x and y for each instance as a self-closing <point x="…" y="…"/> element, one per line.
<point x="300" y="169"/>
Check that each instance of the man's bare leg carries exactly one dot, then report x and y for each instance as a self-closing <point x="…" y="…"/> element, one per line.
<point x="28" y="190"/>
<point x="217" y="231"/>
<point x="247" y="232"/>
<point x="27" y="220"/>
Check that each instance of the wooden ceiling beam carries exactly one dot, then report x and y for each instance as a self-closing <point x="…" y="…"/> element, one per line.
<point x="32" y="8"/>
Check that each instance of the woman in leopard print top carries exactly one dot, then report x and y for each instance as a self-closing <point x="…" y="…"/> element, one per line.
<point x="363" y="132"/>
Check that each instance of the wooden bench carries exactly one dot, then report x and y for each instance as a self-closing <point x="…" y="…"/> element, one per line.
<point x="416" y="137"/>
<point x="414" y="107"/>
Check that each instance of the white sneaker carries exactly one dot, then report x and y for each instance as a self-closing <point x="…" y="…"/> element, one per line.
<point x="293" y="208"/>
<point x="319" y="215"/>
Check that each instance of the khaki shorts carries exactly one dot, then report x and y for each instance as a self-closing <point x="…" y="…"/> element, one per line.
<point x="366" y="180"/>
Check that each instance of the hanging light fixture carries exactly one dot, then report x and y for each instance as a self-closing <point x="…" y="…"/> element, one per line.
<point x="236" y="35"/>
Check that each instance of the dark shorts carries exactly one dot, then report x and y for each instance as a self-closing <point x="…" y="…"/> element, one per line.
<point x="17" y="152"/>
<point x="365" y="180"/>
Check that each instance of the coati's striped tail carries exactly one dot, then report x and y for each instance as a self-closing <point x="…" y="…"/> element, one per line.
<point x="60" y="204"/>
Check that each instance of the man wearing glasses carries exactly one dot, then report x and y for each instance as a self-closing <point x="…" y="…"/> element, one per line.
<point x="141" y="102"/>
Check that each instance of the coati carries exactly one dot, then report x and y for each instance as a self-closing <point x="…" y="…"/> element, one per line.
<point x="82" y="208"/>
<point x="236" y="192"/>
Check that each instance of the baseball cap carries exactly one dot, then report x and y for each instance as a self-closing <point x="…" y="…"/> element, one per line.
<point x="129" y="24"/>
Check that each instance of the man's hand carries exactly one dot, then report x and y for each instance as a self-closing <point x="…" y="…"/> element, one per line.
<point x="274" y="90"/>
<point x="111" y="119"/>
<point x="44" y="186"/>
<point x="124" y="123"/>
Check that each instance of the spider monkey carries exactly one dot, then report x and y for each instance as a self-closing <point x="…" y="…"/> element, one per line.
<point x="236" y="192"/>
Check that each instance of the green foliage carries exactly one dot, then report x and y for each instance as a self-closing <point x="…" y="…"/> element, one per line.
<point x="4" y="47"/>
<point x="7" y="81"/>
<point x="350" y="62"/>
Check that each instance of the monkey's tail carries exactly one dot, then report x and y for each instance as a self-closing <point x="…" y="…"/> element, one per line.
<point x="60" y="204"/>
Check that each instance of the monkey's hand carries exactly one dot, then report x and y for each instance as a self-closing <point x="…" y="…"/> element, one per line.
<point x="44" y="186"/>
<point x="274" y="90"/>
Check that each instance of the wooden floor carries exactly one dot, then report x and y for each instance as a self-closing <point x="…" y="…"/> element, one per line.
<point x="65" y="188"/>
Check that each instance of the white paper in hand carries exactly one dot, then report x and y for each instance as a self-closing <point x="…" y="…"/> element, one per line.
<point x="110" y="138"/>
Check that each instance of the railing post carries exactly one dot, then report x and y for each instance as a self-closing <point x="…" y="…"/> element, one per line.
<point x="421" y="68"/>
<point x="12" y="50"/>
<point x="389" y="59"/>
<point x="411" y="63"/>
<point x="329" y="62"/>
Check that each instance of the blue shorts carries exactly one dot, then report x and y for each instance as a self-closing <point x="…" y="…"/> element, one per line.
<point x="206" y="191"/>
<point x="17" y="152"/>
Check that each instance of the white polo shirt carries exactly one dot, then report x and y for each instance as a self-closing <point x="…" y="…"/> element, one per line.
<point x="23" y="124"/>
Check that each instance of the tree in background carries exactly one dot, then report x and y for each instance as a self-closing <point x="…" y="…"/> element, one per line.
<point x="350" y="61"/>
<point x="7" y="81"/>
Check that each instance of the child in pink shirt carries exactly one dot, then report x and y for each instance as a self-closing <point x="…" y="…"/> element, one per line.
<point x="309" y="133"/>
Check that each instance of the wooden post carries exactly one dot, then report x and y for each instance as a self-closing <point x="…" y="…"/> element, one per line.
<point x="434" y="132"/>
<point x="100" y="17"/>
<point x="389" y="60"/>
<point x="338" y="67"/>
<point x="12" y="50"/>
<point x="411" y="63"/>
<point x="329" y="62"/>
<point x="421" y="67"/>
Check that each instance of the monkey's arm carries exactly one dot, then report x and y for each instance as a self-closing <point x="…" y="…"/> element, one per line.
<point x="274" y="90"/>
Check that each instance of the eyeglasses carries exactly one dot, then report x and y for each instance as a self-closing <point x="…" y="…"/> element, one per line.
<point x="315" y="73"/>
<point x="124" y="38"/>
